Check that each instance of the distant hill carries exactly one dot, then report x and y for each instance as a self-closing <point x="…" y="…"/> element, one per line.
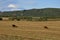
<point x="46" y="12"/>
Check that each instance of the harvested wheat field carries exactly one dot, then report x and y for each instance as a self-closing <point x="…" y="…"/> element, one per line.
<point x="30" y="30"/>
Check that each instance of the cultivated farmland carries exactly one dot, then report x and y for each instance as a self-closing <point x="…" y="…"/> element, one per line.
<point x="30" y="30"/>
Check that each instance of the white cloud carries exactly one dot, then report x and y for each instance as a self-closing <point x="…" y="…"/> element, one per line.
<point x="12" y="6"/>
<point x="14" y="9"/>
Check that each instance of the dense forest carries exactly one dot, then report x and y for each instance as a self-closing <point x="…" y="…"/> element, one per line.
<point x="45" y="12"/>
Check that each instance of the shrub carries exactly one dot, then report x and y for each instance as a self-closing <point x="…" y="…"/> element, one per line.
<point x="1" y="19"/>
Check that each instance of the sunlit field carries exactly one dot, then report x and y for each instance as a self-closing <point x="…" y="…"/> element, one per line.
<point x="29" y="30"/>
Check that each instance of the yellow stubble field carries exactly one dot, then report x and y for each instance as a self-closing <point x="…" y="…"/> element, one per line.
<point x="32" y="29"/>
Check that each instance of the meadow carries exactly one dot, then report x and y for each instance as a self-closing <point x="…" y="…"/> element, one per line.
<point x="30" y="30"/>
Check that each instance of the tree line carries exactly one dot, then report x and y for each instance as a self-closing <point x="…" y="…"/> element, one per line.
<point x="45" y="13"/>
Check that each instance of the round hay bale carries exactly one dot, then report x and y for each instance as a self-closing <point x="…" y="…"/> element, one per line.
<point x="45" y="27"/>
<point x="14" y="26"/>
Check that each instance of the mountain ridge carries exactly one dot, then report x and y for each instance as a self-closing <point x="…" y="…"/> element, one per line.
<point x="45" y="12"/>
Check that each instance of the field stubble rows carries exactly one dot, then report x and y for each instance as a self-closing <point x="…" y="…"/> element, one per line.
<point x="30" y="29"/>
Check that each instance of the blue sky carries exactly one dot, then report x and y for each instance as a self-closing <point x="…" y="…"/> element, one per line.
<point x="10" y="5"/>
